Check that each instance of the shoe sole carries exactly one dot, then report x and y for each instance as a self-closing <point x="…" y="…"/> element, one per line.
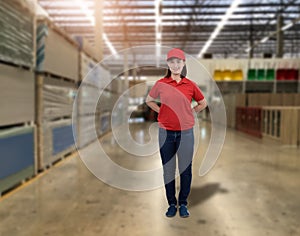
<point x="170" y="216"/>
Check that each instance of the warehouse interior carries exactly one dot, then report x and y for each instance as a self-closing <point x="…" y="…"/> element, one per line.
<point x="79" y="150"/>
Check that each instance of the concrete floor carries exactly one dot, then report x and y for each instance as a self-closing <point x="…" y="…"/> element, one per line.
<point x="253" y="190"/>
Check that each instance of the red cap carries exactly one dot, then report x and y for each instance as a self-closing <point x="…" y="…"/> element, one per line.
<point x="176" y="52"/>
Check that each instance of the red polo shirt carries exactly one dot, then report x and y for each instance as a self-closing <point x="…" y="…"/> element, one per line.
<point x="176" y="112"/>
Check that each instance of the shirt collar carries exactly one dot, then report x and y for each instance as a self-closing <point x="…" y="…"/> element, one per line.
<point x="170" y="80"/>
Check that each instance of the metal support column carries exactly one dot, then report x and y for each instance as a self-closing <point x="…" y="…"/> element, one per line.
<point x="126" y="46"/>
<point x="135" y="81"/>
<point x="251" y="39"/>
<point x="126" y="83"/>
<point x="98" y="11"/>
<point x="279" y="42"/>
<point x="126" y="67"/>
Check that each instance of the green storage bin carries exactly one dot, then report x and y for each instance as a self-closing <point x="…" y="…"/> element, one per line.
<point x="270" y="74"/>
<point x="251" y="74"/>
<point x="261" y="74"/>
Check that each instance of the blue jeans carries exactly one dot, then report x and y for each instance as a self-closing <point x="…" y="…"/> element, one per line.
<point x="182" y="144"/>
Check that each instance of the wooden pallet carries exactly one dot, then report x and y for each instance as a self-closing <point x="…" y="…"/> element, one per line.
<point x="22" y="124"/>
<point x="16" y="95"/>
<point x="45" y="145"/>
<point x="57" y="60"/>
<point x="41" y="80"/>
<point x="57" y="159"/>
<point x="26" y="179"/>
<point x="17" y="65"/>
<point x="58" y="30"/>
<point x="12" y="181"/>
<point x="19" y="179"/>
<point x="55" y="76"/>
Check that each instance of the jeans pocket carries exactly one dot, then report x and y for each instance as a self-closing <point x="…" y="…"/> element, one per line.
<point x="187" y="136"/>
<point x="162" y="136"/>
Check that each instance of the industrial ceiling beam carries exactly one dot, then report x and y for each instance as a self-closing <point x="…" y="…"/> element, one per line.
<point x="167" y="6"/>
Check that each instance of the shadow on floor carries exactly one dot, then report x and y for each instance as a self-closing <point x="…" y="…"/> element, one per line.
<point x="201" y="194"/>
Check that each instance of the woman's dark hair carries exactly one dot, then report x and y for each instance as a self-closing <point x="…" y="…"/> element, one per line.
<point x="182" y="74"/>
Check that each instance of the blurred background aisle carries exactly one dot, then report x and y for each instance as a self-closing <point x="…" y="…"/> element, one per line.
<point x="74" y="76"/>
<point x="245" y="194"/>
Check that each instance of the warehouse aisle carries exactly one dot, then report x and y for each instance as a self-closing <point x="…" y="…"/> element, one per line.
<point x="254" y="189"/>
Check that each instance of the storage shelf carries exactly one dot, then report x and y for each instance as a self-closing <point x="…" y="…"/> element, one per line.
<point x="268" y="86"/>
<point x="287" y="81"/>
<point x="260" y="81"/>
<point x="229" y="81"/>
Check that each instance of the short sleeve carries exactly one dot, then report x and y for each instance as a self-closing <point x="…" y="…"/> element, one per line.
<point x="154" y="92"/>
<point x="198" y="96"/>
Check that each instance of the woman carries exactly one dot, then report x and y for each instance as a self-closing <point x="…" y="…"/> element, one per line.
<point x="176" y="121"/>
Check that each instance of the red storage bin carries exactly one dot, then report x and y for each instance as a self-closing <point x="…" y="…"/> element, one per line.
<point x="281" y="74"/>
<point x="292" y="74"/>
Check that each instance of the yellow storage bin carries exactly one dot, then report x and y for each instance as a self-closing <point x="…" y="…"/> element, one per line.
<point x="237" y="75"/>
<point x="227" y="75"/>
<point x="218" y="75"/>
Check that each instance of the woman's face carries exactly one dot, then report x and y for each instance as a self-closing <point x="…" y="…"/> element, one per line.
<point x="176" y="65"/>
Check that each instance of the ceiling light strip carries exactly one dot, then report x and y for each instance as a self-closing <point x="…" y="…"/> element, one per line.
<point x="225" y="18"/>
<point x="90" y="15"/>
<point x="265" y="39"/>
